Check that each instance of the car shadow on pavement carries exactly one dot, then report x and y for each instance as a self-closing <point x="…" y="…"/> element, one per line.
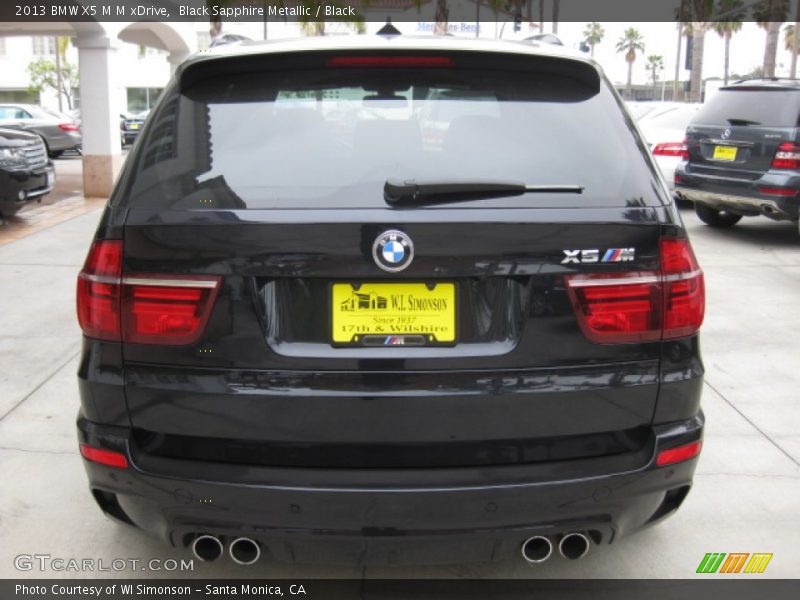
<point x="755" y="230"/>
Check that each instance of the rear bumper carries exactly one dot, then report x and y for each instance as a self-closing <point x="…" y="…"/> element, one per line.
<point x="741" y="196"/>
<point x="373" y="516"/>
<point x="70" y="140"/>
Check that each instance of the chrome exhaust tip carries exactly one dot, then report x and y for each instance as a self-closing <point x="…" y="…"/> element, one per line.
<point x="573" y="546"/>
<point x="207" y="548"/>
<point x="536" y="549"/>
<point x="244" y="551"/>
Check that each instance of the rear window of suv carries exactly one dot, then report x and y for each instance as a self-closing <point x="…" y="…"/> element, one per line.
<point x="768" y="107"/>
<point x="326" y="134"/>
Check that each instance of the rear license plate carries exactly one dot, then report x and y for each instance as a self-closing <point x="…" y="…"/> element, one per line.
<point x="133" y="126"/>
<point x="724" y="153"/>
<point x="393" y="314"/>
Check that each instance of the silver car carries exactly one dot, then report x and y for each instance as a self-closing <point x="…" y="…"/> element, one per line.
<point x="664" y="129"/>
<point x="59" y="132"/>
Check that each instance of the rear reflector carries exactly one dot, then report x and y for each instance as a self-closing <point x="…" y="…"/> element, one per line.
<point x="68" y="127"/>
<point x="774" y="191"/>
<point x="671" y="149"/>
<point x="614" y="308"/>
<point x="679" y="454"/>
<point x="104" y="457"/>
<point x="390" y="61"/>
<point x="163" y="309"/>
<point x="787" y="156"/>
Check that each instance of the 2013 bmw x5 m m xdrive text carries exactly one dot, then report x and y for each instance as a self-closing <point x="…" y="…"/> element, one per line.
<point x="321" y="326"/>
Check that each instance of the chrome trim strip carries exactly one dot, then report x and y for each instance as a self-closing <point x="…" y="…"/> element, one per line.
<point x="155" y="282"/>
<point x="682" y="276"/>
<point x="599" y="281"/>
<point x="99" y="279"/>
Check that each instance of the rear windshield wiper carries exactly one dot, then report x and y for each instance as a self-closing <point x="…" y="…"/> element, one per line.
<point x="413" y="192"/>
<point x="743" y="122"/>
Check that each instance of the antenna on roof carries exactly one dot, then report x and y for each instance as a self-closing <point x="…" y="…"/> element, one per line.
<point x="388" y="29"/>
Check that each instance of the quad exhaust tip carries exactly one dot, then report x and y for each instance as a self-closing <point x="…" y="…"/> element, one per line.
<point x="207" y="548"/>
<point x="573" y="546"/>
<point x="536" y="549"/>
<point x="244" y="551"/>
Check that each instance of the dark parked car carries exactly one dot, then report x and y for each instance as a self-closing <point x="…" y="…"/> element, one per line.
<point x="337" y="342"/>
<point x="744" y="153"/>
<point x="130" y="126"/>
<point x="26" y="174"/>
<point x="59" y="132"/>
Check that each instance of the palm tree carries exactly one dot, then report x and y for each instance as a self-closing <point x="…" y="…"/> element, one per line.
<point x="655" y="63"/>
<point x="728" y="27"/>
<point x="791" y="43"/>
<point x="770" y="14"/>
<point x="442" y="17"/>
<point x="697" y="15"/>
<point x="629" y="43"/>
<point x="593" y="35"/>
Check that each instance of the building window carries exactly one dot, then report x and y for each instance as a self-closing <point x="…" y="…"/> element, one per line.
<point x="142" y="99"/>
<point x="44" y="46"/>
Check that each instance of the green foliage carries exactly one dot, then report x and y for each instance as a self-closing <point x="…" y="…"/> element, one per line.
<point x="43" y="75"/>
<point x="788" y="36"/>
<point x="655" y="63"/>
<point x="732" y="22"/>
<point x="629" y="43"/>
<point x="770" y="11"/>
<point x="593" y="34"/>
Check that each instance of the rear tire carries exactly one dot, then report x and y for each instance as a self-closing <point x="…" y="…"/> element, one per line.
<point x="716" y="218"/>
<point x="55" y="154"/>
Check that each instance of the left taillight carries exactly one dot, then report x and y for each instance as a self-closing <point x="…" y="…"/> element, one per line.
<point x="163" y="309"/>
<point x="99" y="291"/>
<point x="68" y="127"/>
<point x="642" y="306"/>
<point x="671" y="149"/>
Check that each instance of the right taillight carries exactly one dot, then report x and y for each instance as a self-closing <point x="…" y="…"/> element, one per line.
<point x="787" y="156"/>
<point x="684" y="289"/>
<point x="146" y="309"/>
<point x="642" y="306"/>
<point x="167" y="310"/>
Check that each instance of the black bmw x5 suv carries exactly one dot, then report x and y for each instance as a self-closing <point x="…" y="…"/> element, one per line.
<point x="390" y="301"/>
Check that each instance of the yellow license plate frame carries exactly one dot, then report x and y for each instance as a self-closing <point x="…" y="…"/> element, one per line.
<point x="425" y="312"/>
<point x="725" y="153"/>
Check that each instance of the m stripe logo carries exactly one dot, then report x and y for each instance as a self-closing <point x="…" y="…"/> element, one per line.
<point x="735" y="562"/>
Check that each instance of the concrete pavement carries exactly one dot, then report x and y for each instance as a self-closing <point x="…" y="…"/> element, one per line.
<point x="745" y="497"/>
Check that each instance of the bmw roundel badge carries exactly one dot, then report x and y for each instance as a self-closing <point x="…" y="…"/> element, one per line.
<point x="393" y="251"/>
